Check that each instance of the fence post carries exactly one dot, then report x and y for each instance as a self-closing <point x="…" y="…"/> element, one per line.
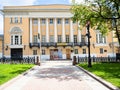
<point x="34" y="59"/>
<point x="74" y="60"/>
<point x="38" y="63"/>
<point x="28" y="60"/>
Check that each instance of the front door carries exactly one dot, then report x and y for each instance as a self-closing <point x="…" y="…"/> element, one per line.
<point x="17" y="53"/>
<point x="68" y="52"/>
<point x="51" y="54"/>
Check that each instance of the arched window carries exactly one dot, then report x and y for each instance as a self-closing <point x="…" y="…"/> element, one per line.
<point x="16" y="36"/>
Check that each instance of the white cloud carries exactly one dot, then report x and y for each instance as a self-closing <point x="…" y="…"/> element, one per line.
<point x="16" y="2"/>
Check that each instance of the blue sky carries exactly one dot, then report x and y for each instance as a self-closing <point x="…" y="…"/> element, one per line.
<point x="29" y="2"/>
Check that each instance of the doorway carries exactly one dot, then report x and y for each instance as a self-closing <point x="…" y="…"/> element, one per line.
<point x="17" y="53"/>
<point x="68" y="52"/>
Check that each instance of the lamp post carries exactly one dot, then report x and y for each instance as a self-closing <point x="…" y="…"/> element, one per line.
<point x="88" y="35"/>
<point x="39" y="37"/>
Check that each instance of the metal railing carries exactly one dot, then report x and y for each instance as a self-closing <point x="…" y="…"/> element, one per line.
<point x="29" y="60"/>
<point x="97" y="59"/>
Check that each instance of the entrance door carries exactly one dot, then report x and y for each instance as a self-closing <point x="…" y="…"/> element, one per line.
<point x="51" y="54"/>
<point x="68" y="52"/>
<point x="17" y="53"/>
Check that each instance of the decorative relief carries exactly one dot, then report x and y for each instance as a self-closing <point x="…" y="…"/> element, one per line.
<point x="16" y="30"/>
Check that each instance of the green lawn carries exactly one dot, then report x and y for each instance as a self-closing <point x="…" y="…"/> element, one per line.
<point x="108" y="71"/>
<point x="8" y="71"/>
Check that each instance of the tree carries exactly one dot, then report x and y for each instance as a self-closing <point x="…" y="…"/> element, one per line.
<point x="104" y="15"/>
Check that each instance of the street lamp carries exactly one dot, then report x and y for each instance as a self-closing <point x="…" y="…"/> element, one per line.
<point x="39" y="37"/>
<point x="88" y="35"/>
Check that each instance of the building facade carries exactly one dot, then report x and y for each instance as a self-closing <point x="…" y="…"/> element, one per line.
<point x="49" y="29"/>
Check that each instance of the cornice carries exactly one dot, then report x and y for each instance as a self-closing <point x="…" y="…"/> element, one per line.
<point x="35" y="10"/>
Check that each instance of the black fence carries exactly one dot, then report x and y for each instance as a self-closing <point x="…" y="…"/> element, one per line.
<point x="29" y="60"/>
<point x="97" y="59"/>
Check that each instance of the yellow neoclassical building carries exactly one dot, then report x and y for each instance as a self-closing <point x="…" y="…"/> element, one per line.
<point x="49" y="29"/>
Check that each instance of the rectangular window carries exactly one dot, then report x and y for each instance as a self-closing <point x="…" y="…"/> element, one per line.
<point x="84" y="51"/>
<point x="16" y="40"/>
<point x="76" y="51"/>
<point x="35" y="21"/>
<point x="97" y="38"/>
<point x="11" y="40"/>
<point x="43" y="38"/>
<point x="100" y="38"/>
<point x="51" y="21"/>
<point x="16" y="20"/>
<point x="59" y="38"/>
<point x="58" y="21"/>
<point x="67" y="38"/>
<point x="43" y="51"/>
<point x="101" y="50"/>
<point x="20" y="39"/>
<point x="43" y="21"/>
<point x="20" y="19"/>
<point x="83" y="38"/>
<point x="66" y="21"/>
<point x="34" y="52"/>
<point x="51" y="38"/>
<point x="11" y="20"/>
<point x="75" y="38"/>
<point x="35" y="39"/>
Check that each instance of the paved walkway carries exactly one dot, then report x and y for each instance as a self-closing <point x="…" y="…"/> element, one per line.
<point x="55" y="75"/>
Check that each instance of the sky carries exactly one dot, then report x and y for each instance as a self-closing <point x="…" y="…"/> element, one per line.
<point x="29" y="2"/>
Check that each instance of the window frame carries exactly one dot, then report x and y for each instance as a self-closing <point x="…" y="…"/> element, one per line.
<point x="59" y="21"/>
<point x="34" y="52"/>
<point x="84" y="51"/>
<point x="51" y="21"/>
<point x="67" y="38"/>
<point x="43" y="51"/>
<point x="59" y="38"/>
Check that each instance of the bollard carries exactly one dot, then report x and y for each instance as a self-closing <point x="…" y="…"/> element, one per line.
<point x="74" y="60"/>
<point x="38" y="63"/>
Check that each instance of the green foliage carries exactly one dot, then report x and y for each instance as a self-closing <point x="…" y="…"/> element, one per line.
<point x="99" y="12"/>
<point x="108" y="71"/>
<point x="8" y="71"/>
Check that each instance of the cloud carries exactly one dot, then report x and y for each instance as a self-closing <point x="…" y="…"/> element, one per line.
<point x="16" y="2"/>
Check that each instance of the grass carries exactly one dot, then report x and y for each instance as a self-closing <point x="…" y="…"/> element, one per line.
<point x="8" y="71"/>
<point x="108" y="71"/>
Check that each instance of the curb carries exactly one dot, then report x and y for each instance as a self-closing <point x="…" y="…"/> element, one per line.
<point x="102" y="81"/>
<point x="3" y="86"/>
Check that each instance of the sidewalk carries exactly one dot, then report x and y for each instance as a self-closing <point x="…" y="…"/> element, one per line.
<point x="55" y="75"/>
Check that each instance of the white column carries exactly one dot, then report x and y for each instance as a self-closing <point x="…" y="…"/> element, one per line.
<point x="30" y="30"/>
<point x="39" y="28"/>
<point x="63" y="30"/>
<point x="19" y="39"/>
<point x="79" y="33"/>
<point x="98" y="35"/>
<point x="13" y="39"/>
<point x="47" y="31"/>
<point x="71" y="31"/>
<point x="55" y="29"/>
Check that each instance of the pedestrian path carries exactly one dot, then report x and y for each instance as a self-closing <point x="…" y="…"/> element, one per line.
<point x="55" y="75"/>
